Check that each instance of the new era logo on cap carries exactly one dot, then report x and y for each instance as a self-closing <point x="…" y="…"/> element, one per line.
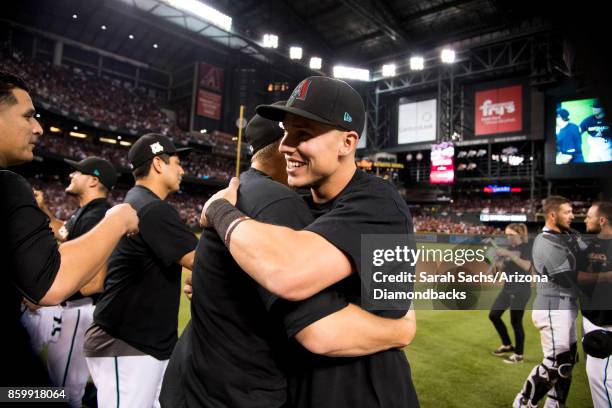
<point x="347" y="117"/>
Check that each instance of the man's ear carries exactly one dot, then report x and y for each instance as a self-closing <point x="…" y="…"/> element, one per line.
<point x="157" y="164"/>
<point x="94" y="181"/>
<point x="349" y="143"/>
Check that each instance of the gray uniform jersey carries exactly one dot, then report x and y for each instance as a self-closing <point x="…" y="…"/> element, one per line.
<point x="552" y="256"/>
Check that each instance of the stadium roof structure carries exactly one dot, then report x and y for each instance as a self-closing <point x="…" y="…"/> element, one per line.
<point x="365" y="33"/>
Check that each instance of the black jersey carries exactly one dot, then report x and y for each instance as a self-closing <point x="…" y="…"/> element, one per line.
<point x="83" y="220"/>
<point x="596" y="127"/>
<point x="140" y="300"/>
<point x="30" y="262"/>
<point x="596" y="302"/>
<point x="233" y="352"/>
<point x="510" y="267"/>
<point x="367" y="205"/>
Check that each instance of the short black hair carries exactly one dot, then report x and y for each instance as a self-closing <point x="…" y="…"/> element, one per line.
<point x="8" y="82"/>
<point x="144" y="169"/>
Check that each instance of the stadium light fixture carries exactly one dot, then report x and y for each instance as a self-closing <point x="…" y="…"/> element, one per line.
<point x="103" y="27"/>
<point x="360" y="74"/>
<point x="54" y="129"/>
<point x="417" y="63"/>
<point x="202" y="131"/>
<point x="203" y="11"/>
<point x="155" y="45"/>
<point x="295" y="53"/>
<point x="270" y="41"/>
<point x="131" y="36"/>
<point x="74" y="16"/>
<point x="78" y="135"/>
<point x="316" y="63"/>
<point x="38" y="115"/>
<point x="125" y="143"/>
<point x="448" y="56"/>
<point x="108" y="140"/>
<point x="388" y="70"/>
<point x="75" y="128"/>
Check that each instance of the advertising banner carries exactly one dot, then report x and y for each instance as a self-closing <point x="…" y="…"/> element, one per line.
<point x="499" y="110"/>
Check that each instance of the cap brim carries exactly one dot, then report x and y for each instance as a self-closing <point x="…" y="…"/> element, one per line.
<point x="278" y="113"/>
<point x="183" y="151"/>
<point x="73" y="164"/>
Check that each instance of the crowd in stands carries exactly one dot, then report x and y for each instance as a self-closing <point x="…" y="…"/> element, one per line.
<point x="106" y="102"/>
<point x="444" y="225"/>
<point x="197" y="164"/>
<point x="80" y="149"/>
<point x="505" y="205"/>
<point x="189" y="205"/>
<point x="111" y="103"/>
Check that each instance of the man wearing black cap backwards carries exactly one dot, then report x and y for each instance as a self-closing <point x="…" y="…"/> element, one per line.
<point x="211" y="365"/>
<point x="32" y="265"/>
<point x="91" y="182"/>
<point x="136" y="317"/>
<point x="323" y="120"/>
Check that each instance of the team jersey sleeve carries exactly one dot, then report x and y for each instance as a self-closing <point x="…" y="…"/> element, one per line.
<point x="296" y="316"/>
<point x="165" y="233"/>
<point x="360" y="213"/>
<point x="34" y="259"/>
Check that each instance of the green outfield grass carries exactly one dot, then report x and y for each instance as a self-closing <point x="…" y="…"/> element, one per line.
<point x="452" y="364"/>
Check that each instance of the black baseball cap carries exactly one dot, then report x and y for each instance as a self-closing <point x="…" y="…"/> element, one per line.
<point x="151" y="145"/>
<point x="322" y="99"/>
<point x="261" y="132"/>
<point x="97" y="167"/>
<point x="563" y="114"/>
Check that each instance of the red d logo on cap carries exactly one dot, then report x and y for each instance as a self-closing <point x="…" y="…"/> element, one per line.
<point x="301" y="90"/>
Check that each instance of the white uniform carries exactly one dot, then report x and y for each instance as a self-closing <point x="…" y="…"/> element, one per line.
<point x="127" y="381"/>
<point x="554" y="314"/>
<point x="65" y="358"/>
<point x="599" y="372"/>
<point x="41" y="324"/>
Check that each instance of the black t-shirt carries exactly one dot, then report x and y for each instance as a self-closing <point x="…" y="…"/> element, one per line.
<point x="596" y="302"/>
<point x="596" y="127"/>
<point x="83" y="220"/>
<point x="30" y="262"/>
<point x="140" y="300"/>
<point x="238" y="347"/>
<point x="523" y="251"/>
<point x="367" y="205"/>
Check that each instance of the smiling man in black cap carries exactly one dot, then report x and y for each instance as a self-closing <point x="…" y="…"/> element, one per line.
<point x="323" y="120"/>
<point x="136" y="317"/>
<point x="211" y="365"/>
<point x="90" y="183"/>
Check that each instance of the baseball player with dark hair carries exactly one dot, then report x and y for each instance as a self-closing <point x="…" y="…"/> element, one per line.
<point x="33" y="266"/>
<point x="90" y="182"/>
<point x="555" y="306"/>
<point x="323" y="120"/>
<point x="595" y="278"/>
<point x="136" y="317"/>
<point x="229" y="309"/>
